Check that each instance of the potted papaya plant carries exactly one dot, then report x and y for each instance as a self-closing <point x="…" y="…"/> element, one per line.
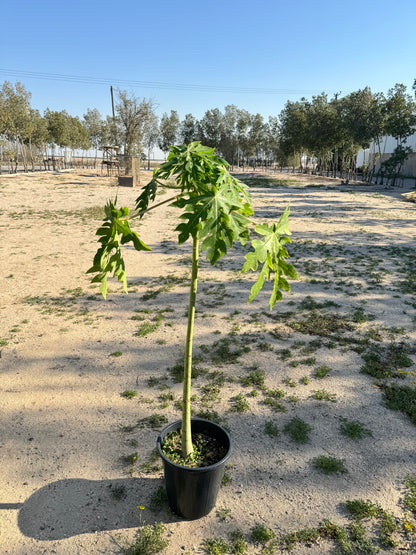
<point x="215" y="214"/>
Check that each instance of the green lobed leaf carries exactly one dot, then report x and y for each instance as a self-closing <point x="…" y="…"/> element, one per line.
<point x="108" y="259"/>
<point x="271" y="252"/>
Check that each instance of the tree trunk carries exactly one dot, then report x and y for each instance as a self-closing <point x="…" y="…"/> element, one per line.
<point x="186" y="435"/>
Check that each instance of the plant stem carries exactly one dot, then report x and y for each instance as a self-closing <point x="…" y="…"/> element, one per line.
<point x="186" y="410"/>
<point x="139" y="214"/>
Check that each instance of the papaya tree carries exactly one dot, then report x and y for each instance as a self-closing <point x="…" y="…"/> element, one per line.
<point x="215" y="214"/>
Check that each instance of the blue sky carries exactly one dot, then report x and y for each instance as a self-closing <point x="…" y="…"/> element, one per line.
<point x="220" y="48"/>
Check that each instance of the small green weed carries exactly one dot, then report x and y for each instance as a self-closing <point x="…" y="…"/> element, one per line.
<point x="256" y="377"/>
<point x="154" y="421"/>
<point x="274" y="404"/>
<point x="401" y="398"/>
<point x="129" y="393"/>
<point x="149" y="540"/>
<point x="262" y="534"/>
<point x="158" y="499"/>
<point x="330" y="465"/>
<point x="271" y="429"/>
<point x="215" y="546"/>
<point x="223" y="514"/>
<point x="322" y="371"/>
<point x="240" y="404"/>
<point x="354" y="429"/>
<point x="324" y="395"/>
<point x="239" y="545"/>
<point x="116" y="354"/>
<point x="360" y="509"/>
<point x="306" y="535"/>
<point x="289" y="382"/>
<point x="153" y="464"/>
<point x="118" y="492"/>
<point x="388" y="527"/>
<point x="130" y="459"/>
<point x="410" y="496"/>
<point x="298" y="430"/>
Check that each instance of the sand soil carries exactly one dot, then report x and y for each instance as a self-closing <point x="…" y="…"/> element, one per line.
<point x="76" y="455"/>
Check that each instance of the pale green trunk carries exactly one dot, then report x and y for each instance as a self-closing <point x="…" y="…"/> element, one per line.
<point x="186" y="410"/>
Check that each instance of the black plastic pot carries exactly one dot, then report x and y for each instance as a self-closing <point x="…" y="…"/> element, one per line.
<point x="192" y="492"/>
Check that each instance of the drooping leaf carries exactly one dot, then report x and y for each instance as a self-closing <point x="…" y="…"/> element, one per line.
<point x="271" y="252"/>
<point x="108" y="259"/>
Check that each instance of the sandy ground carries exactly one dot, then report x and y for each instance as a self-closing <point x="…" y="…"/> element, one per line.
<point x="63" y="419"/>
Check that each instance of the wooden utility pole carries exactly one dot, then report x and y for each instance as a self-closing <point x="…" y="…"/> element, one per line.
<point x="114" y="115"/>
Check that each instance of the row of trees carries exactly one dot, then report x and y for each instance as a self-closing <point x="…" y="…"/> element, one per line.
<point x="332" y="131"/>
<point x="323" y="133"/>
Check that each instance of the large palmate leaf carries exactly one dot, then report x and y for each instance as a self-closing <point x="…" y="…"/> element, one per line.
<point x="217" y="216"/>
<point x="108" y="259"/>
<point x="272" y="253"/>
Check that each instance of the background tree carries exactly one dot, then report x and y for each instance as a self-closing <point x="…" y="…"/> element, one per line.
<point x="94" y="125"/>
<point x="168" y="130"/>
<point x="229" y="134"/>
<point x="132" y="117"/>
<point x="294" y="129"/>
<point x="188" y="130"/>
<point x="151" y="135"/>
<point x="400" y="116"/>
<point x="210" y="128"/>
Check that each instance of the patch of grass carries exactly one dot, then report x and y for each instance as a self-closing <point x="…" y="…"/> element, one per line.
<point x="116" y="354"/>
<point x="215" y="546"/>
<point x="149" y="540"/>
<point x="360" y="509"/>
<point x="276" y="393"/>
<point x="304" y="380"/>
<point x="262" y="534"/>
<point x="322" y="324"/>
<point x="330" y="465"/>
<point x="210" y="392"/>
<point x="305" y="535"/>
<point x="360" y="317"/>
<point x="310" y="361"/>
<point x="3" y="342"/>
<point x="274" y="404"/>
<point x="388" y="527"/>
<point x="354" y="429"/>
<point x="147" y="327"/>
<point x="129" y="393"/>
<point x="271" y="429"/>
<point x="158" y="500"/>
<point x="130" y="459"/>
<point x="298" y="430"/>
<point x="211" y="415"/>
<point x="410" y="496"/>
<point x="322" y="371"/>
<point x="255" y="377"/>
<point x="177" y="372"/>
<point x="289" y="382"/>
<point x="240" y="404"/>
<point x="118" y="492"/>
<point x="360" y="541"/>
<point x="285" y="354"/>
<point x="225" y="351"/>
<point x="239" y="545"/>
<point x="223" y="514"/>
<point x="154" y="421"/>
<point x="153" y="464"/>
<point x="401" y="398"/>
<point x="324" y="395"/>
<point x="386" y="363"/>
